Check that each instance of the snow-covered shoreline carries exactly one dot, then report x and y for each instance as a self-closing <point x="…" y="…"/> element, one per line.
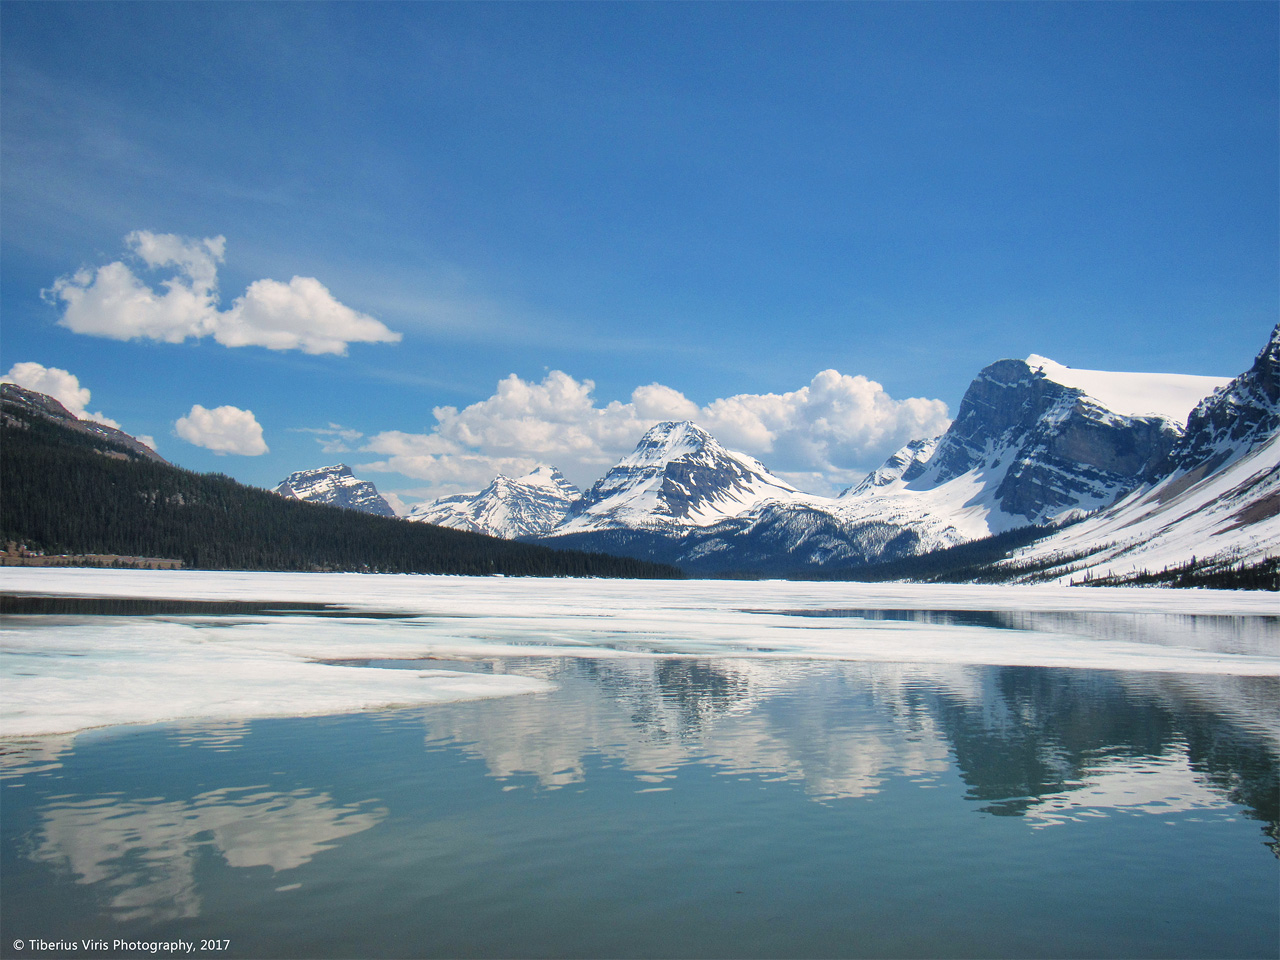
<point x="425" y="593"/>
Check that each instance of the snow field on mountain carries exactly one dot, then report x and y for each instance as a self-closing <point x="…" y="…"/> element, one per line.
<point x="68" y="673"/>
<point x="1169" y="395"/>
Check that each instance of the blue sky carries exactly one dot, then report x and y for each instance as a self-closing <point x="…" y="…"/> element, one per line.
<point x="439" y="241"/>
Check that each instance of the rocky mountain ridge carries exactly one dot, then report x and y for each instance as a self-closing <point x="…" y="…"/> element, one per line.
<point x="335" y="486"/>
<point x="19" y="402"/>
<point x="528" y="506"/>
<point x="1214" y="499"/>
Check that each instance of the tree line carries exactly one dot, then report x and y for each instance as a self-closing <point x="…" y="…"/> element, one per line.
<point x="66" y="492"/>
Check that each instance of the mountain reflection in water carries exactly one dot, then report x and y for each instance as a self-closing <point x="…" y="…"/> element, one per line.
<point x="1050" y="746"/>
<point x="1017" y="736"/>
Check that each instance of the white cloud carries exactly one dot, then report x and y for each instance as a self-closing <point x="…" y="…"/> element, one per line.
<point x="59" y="384"/>
<point x="662" y="403"/>
<point x="334" y="438"/>
<point x="449" y="468"/>
<point x="398" y="506"/>
<point x="299" y="315"/>
<point x="836" y="422"/>
<point x="223" y="430"/>
<point x="822" y="436"/>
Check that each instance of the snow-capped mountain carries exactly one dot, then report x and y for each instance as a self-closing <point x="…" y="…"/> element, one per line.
<point x="1215" y="497"/>
<point x="1033" y="441"/>
<point x="528" y="506"/>
<point x="891" y="471"/>
<point x="677" y="479"/>
<point x="335" y="486"/>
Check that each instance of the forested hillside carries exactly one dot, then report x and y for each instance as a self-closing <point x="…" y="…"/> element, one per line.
<point x="63" y="491"/>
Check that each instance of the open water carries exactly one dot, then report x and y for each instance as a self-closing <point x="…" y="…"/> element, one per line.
<point x="669" y="806"/>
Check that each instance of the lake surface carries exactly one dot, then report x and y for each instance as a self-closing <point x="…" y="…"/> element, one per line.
<point x="694" y="771"/>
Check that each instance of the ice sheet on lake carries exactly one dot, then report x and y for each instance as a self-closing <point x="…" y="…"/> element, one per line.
<point x="102" y="671"/>
<point x="86" y="672"/>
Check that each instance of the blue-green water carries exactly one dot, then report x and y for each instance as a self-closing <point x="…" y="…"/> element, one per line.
<point x="674" y="808"/>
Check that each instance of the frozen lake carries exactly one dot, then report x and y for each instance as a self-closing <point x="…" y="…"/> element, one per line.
<point x="342" y="765"/>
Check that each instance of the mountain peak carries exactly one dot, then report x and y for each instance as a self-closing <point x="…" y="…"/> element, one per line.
<point x="679" y="476"/>
<point x="526" y="506"/>
<point x="671" y="439"/>
<point x="1231" y="421"/>
<point x="335" y="486"/>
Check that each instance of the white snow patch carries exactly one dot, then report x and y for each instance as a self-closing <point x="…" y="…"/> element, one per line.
<point x="1169" y="395"/>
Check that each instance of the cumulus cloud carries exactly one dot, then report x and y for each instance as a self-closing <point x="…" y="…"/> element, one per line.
<point x="113" y="302"/>
<point x="223" y="430"/>
<point x="822" y="436"/>
<point x="397" y="505"/>
<point x="59" y="384"/>
<point x="833" y="424"/>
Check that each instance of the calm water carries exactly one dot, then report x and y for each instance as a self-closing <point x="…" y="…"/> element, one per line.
<point x="675" y="807"/>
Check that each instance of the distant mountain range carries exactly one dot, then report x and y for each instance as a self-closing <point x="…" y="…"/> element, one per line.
<point x="1047" y="472"/>
<point x="528" y="506"/>
<point x="89" y="493"/>
<point x="1137" y="469"/>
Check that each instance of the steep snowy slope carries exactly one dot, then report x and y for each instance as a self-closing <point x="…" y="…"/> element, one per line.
<point x="678" y="478"/>
<point x="1215" y="497"/>
<point x="915" y="453"/>
<point x="528" y="506"/>
<point x="335" y="486"/>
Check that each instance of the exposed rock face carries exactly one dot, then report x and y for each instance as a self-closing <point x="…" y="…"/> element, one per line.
<point x="1214" y="499"/>
<point x="19" y="401"/>
<point x="1246" y="412"/>
<point x="335" y="486"/>
<point x="528" y="506"/>
<point x="1057" y="448"/>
